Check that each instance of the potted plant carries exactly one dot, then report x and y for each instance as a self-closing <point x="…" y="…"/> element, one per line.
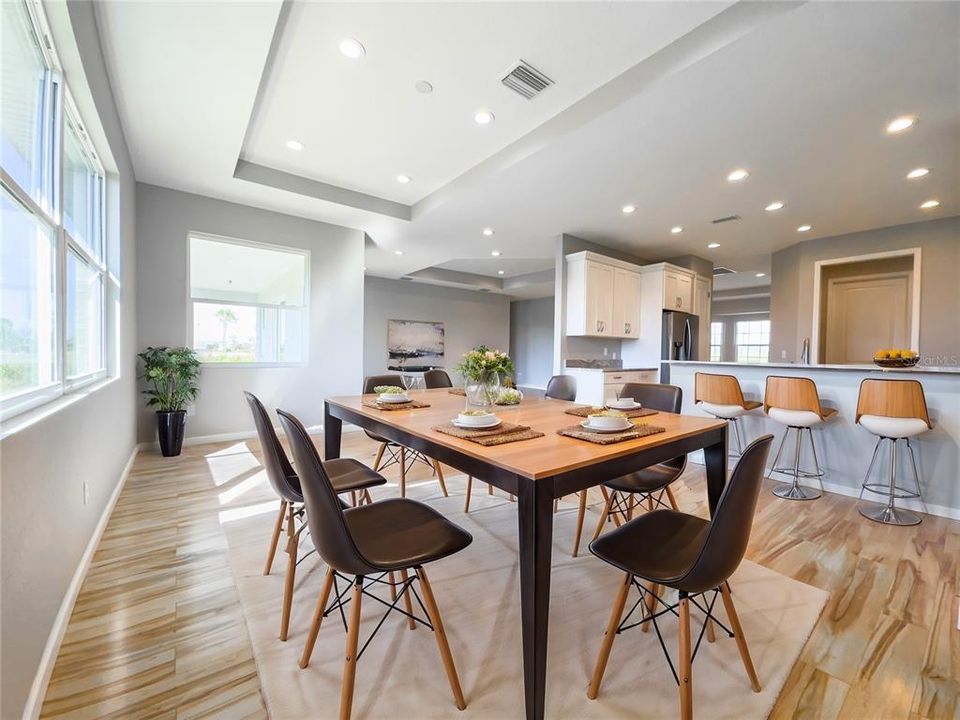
<point x="482" y="370"/>
<point x="171" y="375"/>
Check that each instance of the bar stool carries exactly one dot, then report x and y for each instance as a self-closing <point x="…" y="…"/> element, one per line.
<point x="721" y="396"/>
<point x="794" y="402"/>
<point x="892" y="410"/>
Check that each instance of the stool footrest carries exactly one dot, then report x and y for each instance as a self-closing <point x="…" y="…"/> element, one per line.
<point x="900" y="493"/>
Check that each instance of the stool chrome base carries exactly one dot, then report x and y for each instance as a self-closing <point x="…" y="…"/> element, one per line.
<point x="889" y="515"/>
<point x="793" y="490"/>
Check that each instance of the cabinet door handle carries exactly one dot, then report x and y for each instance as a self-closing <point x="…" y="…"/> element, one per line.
<point x="679" y="301"/>
<point x="601" y="325"/>
<point x="598" y="326"/>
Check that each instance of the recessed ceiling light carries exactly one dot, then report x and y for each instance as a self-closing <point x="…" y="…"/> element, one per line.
<point x="627" y="209"/>
<point x="929" y="204"/>
<point x="904" y="122"/>
<point x="774" y="206"/>
<point x="918" y="173"/>
<point x="713" y="246"/>
<point x="495" y="253"/>
<point x="294" y="144"/>
<point x="499" y="272"/>
<point x="483" y="117"/>
<point x="488" y="231"/>
<point x="352" y="48"/>
<point x="761" y="275"/>
<point x="676" y="230"/>
<point x="804" y="228"/>
<point x="424" y="87"/>
<point x="403" y="179"/>
<point x="398" y="252"/>
<point x="738" y="175"/>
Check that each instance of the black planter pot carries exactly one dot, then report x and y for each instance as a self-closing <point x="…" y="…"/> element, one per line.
<point x="170" y="428"/>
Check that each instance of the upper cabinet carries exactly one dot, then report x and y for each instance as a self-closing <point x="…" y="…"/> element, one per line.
<point x="603" y="297"/>
<point x="677" y="290"/>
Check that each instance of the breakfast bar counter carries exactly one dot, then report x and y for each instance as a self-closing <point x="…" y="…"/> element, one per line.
<point x="845" y="448"/>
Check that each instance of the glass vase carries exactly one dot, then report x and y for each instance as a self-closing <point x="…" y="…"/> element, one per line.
<point x="482" y="391"/>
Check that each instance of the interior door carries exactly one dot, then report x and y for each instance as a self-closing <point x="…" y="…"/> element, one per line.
<point x="865" y="314"/>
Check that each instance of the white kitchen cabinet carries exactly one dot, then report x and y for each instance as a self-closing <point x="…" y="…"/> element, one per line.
<point x="677" y="290"/>
<point x="626" y="303"/>
<point x="702" y="292"/>
<point x="603" y="297"/>
<point x="596" y="386"/>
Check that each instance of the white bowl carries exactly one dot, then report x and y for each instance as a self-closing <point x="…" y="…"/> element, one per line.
<point x="605" y="422"/>
<point x="393" y="398"/>
<point x="477" y="420"/>
<point x="622" y="404"/>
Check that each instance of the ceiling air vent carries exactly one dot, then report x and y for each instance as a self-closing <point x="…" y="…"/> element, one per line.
<point x="721" y="270"/>
<point x="524" y="79"/>
<point x="728" y="218"/>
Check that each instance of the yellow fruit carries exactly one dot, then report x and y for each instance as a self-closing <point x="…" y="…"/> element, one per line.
<point x="910" y="354"/>
<point x="895" y="354"/>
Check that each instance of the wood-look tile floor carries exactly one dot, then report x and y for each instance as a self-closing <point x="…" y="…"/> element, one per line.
<point x="157" y="631"/>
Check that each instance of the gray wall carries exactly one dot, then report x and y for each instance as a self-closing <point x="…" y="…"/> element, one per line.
<point x="469" y="318"/>
<point x="737" y="302"/>
<point x="531" y="340"/>
<point x="164" y="219"/>
<point x="791" y="283"/>
<point x="45" y="525"/>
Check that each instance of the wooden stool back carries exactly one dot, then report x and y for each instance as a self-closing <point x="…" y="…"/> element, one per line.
<point x="792" y="393"/>
<point x="717" y="389"/>
<point x="892" y="398"/>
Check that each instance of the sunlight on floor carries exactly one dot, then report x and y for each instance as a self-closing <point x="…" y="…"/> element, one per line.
<point x="240" y="513"/>
<point x="227" y="464"/>
<point x="254" y="481"/>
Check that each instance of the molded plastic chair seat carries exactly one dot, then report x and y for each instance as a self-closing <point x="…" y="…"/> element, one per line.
<point x="671" y="542"/>
<point x="892" y="427"/>
<point x="800" y="418"/>
<point x="400" y="533"/>
<point x="728" y="412"/>
<point x="347" y="474"/>
<point x="648" y="480"/>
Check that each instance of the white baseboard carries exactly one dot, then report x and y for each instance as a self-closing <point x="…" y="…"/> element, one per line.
<point x="229" y="437"/>
<point x="48" y="659"/>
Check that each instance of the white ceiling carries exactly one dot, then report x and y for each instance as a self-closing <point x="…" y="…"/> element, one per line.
<point x="799" y="95"/>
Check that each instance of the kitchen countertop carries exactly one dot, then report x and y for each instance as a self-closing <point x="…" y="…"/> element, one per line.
<point x="948" y="369"/>
<point x="615" y="370"/>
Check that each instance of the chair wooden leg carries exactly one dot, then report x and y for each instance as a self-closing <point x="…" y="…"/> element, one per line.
<point x="466" y="500"/>
<point x="350" y="656"/>
<point x="443" y="485"/>
<point x="738" y="635"/>
<point x="393" y="587"/>
<point x="612" y="624"/>
<point x="403" y="472"/>
<point x="376" y="462"/>
<point x="367" y="498"/>
<point x="434" y="612"/>
<point x="649" y="503"/>
<point x="317" y="619"/>
<point x="672" y="499"/>
<point x="556" y="504"/>
<point x="489" y="489"/>
<point x="581" y="511"/>
<point x="408" y="603"/>
<point x="353" y="498"/>
<point x="631" y="505"/>
<point x="650" y="600"/>
<point x="293" y="544"/>
<point x="684" y="669"/>
<point x="604" y="514"/>
<point x="275" y="540"/>
<point x="711" y="633"/>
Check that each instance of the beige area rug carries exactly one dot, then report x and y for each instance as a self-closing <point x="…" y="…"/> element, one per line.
<point x="400" y="674"/>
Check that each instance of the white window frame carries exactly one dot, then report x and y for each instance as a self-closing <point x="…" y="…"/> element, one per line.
<point x="737" y="345"/>
<point x="57" y="103"/>
<point x="264" y="246"/>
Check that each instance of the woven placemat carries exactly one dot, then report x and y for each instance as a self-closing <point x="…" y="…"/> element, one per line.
<point x="412" y="405"/>
<point x="500" y="435"/>
<point x="584" y="410"/>
<point x="638" y="431"/>
<point x="457" y="391"/>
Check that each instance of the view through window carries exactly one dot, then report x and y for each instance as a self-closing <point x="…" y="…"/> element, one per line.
<point x="753" y="341"/>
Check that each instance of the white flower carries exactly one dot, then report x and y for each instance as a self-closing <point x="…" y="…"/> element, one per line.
<point x="490" y="355"/>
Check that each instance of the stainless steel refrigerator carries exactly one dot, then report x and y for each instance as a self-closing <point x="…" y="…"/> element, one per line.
<point x="678" y="340"/>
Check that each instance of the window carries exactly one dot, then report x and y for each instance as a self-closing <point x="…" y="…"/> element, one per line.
<point x="249" y="301"/>
<point x="753" y="341"/>
<point x="53" y="274"/>
<point x="716" y="341"/>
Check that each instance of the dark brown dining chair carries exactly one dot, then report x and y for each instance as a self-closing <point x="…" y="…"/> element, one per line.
<point x="399" y="454"/>
<point x="623" y="494"/>
<point x="346" y="474"/>
<point x="436" y="378"/>
<point x="695" y="557"/>
<point x="364" y="544"/>
<point x="562" y="387"/>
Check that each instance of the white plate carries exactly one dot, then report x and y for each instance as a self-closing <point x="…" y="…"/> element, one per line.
<point x="587" y="426"/>
<point x="393" y="398"/>
<point x="635" y="406"/>
<point x="492" y="423"/>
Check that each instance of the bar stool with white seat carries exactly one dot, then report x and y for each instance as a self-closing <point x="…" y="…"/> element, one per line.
<point x="892" y="410"/>
<point x="722" y="397"/>
<point x="794" y="402"/>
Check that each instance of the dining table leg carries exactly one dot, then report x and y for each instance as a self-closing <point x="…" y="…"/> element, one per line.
<point x="535" y="525"/>
<point x="332" y="427"/>
<point x="715" y="461"/>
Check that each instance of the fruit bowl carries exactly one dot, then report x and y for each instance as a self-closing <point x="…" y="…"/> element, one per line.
<point x="896" y="362"/>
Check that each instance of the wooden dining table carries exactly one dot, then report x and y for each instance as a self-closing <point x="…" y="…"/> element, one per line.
<point x="536" y="471"/>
